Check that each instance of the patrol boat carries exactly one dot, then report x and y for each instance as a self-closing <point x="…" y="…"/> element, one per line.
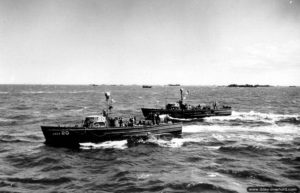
<point x="188" y="112"/>
<point x="100" y="128"/>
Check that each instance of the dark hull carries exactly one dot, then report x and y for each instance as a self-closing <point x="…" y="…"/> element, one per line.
<point x="72" y="136"/>
<point x="188" y="114"/>
<point x="145" y="86"/>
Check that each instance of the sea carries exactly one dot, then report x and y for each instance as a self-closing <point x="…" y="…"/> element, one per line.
<point x="258" y="146"/>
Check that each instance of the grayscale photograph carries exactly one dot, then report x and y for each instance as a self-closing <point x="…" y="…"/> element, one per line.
<point x="149" y="96"/>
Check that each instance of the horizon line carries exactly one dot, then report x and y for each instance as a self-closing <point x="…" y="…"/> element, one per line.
<point x="171" y="85"/>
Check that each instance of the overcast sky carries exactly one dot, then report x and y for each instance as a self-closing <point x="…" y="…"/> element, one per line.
<point x="191" y="42"/>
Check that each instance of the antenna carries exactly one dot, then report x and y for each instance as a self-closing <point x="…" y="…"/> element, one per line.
<point x="107" y="95"/>
<point x="166" y="90"/>
<point x="181" y="95"/>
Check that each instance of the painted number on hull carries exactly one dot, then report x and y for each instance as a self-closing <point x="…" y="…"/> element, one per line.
<point x="61" y="133"/>
<point x="64" y="132"/>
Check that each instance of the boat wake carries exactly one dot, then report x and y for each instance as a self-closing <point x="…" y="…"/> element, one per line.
<point x="213" y="137"/>
<point x="256" y="118"/>
<point x="105" y="145"/>
<point x="173" y="143"/>
<point x="271" y="129"/>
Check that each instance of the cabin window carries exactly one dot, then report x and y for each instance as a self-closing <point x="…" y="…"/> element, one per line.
<point x="99" y="124"/>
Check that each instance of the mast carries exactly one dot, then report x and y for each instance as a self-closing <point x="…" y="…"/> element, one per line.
<point x="181" y="94"/>
<point x="108" y="103"/>
<point x="181" y="99"/>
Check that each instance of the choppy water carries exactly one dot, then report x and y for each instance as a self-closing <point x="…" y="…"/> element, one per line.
<point x="259" y="145"/>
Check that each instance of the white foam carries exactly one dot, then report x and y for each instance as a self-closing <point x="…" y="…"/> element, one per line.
<point x="256" y="135"/>
<point x="272" y="129"/>
<point x="143" y="176"/>
<point x="105" y="145"/>
<point x="208" y="128"/>
<point x="214" y="174"/>
<point x="213" y="147"/>
<point x="174" y="143"/>
<point x="284" y="138"/>
<point x="213" y="133"/>
<point x="252" y="116"/>
<point x="5" y="120"/>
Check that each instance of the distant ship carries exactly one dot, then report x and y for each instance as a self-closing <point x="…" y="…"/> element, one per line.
<point x="186" y="111"/>
<point x="147" y="86"/>
<point x="173" y="84"/>
<point x="248" y="85"/>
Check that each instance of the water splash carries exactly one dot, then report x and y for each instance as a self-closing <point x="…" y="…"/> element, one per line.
<point x="105" y="145"/>
<point x="256" y="117"/>
<point x="173" y="143"/>
<point x="272" y="129"/>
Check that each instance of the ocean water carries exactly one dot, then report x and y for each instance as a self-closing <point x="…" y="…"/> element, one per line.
<point x="259" y="145"/>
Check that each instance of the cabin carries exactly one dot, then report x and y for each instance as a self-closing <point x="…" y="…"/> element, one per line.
<point x="94" y="121"/>
<point x="172" y="106"/>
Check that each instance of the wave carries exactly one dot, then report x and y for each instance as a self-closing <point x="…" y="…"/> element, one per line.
<point x="292" y="174"/>
<point x="245" y="149"/>
<point x="198" y="187"/>
<point x="257" y="139"/>
<point x="173" y="143"/>
<point x="56" y="92"/>
<point x="21" y="107"/>
<point x="244" y="139"/>
<point x="20" y="117"/>
<point x="105" y="145"/>
<point x="291" y="120"/>
<point x="159" y="186"/>
<point x="12" y="139"/>
<point x="290" y="160"/>
<point x="44" y="181"/>
<point x="56" y="167"/>
<point x="7" y="122"/>
<point x="12" y="120"/>
<point x="249" y="174"/>
<point x="256" y="149"/>
<point x="22" y="160"/>
<point x="256" y="117"/>
<point x="270" y="129"/>
<point x="32" y="138"/>
<point x="181" y="142"/>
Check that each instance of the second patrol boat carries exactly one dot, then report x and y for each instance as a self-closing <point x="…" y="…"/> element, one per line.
<point x="185" y="111"/>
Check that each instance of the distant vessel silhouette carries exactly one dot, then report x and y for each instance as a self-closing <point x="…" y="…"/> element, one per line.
<point x="186" y="111"/>
<point x="173" y="84"/>
<point x="247" y="85"/>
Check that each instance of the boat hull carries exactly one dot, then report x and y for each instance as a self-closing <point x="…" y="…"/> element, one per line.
<point x="188" y="114"/>
<point x="72" y="136"/>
